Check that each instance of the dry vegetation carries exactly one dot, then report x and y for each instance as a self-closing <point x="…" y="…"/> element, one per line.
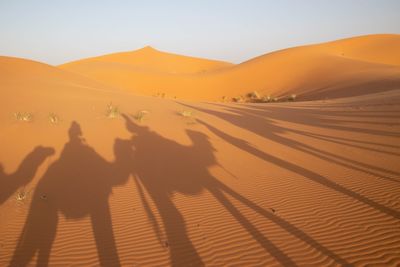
<point x="23" y="116"/>
<point x="255" y="97"/>
<point x="112" y="111"/>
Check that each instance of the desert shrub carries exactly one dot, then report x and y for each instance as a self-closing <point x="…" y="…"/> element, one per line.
<point x="53" y="118"/>
<point x="140" y="115"/>
<point x="266" y="99"/>
<point x="21" y="195"/>
<point x="187" y="113"/>
<point x="112" y="111"/>
<point x="23" y="116"/>
<point x="254" y="95"/>
<point x="238" y="99"/>
<point x="188" y="116"/>
<point x="292" y="97"/>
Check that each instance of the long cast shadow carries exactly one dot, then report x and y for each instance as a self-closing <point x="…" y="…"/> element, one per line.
<point x="9" y="183"/>
<point x="184" y="169"/>
<point x="266" y="128"/>
<point x="257" y="117"/>
<point x="77" y="185"/>
<point x="318" y="118"/>
<point x="315" y="177"/>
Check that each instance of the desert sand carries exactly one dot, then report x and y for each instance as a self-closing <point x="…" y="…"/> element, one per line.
<point x="341" y="68"/>
<point x="136" y="159"/>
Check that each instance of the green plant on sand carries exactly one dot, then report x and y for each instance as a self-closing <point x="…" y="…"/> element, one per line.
<point x="140" y="115"/>
<point x="23" y="116"/>
<point x="112" y="111"/>
<point x="54" y="119"/>
<point x="187" y="113"/>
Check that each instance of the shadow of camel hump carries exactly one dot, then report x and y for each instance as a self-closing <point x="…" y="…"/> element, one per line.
<point x="9" y="183"/>
<point x="184" y="169"/>
<point x="265" y="128"/>
<point x="162" y="167"/>
<point x="76" y="185"/>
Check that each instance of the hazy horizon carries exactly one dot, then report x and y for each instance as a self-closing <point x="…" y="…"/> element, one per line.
<point x="232" y="31"/>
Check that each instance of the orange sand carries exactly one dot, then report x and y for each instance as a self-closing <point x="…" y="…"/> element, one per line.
<point x="309" y="183"/>
<point x="342" y="68"/>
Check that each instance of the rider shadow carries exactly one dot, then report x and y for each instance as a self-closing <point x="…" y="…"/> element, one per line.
<point x="272" y="132"/>
<point x="77" y="185"/>
<point x="162" y="167"/>
<point x="9" y="183"/>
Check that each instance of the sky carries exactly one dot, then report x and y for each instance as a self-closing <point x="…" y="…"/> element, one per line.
<point x="58" y="31"/>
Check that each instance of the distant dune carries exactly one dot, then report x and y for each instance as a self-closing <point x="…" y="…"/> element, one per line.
<point x="25" y="83"/>
<point x="92" y="173"/>
<point x="148" y="59"/>
<point x="347" y="67"/>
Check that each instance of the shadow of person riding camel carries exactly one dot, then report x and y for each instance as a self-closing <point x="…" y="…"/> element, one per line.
<point x="162" y="167"/>
<point x="9" y="183"/>
<point x="266" y="128"/>
<point x="76" y="185"/>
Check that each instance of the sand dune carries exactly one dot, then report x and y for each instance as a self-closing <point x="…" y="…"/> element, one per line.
<point x="149" y="59"/>
<point x="165" y="182"/>
<point x="329" y="70"/>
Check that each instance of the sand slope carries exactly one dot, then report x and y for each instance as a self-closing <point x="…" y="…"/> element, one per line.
<point x="348" y="67"/>
<point x="305" y="183"/>
<point x="148" y="59"/>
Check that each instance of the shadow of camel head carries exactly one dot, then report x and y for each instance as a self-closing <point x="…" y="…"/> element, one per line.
<point x="133" y="127"/>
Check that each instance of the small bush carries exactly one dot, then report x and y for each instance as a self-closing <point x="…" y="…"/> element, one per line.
<point x="254" y="95"/>
<point x="238" y="99"/>
<point x="140" y="115"/>
<point x="188" y="116"/>
<point x="187" y="113"/>
<point x="23" y="116"/>
<point x="292" y="97"/>
<point x="22" y="195"/>
<point x="266" y="99"/>
<point x="112" y="111"/>
<point x="54" y="119"/>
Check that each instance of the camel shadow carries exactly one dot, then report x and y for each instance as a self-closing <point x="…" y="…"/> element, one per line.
<point x="79" y="183"/>
<point x="76" y="185"/>
<point x="162" y="167"/>
<point x="9" y="183"/>
<point x="267" y="129"/>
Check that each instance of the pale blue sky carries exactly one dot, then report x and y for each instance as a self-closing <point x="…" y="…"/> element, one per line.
<point x="57" y="31"/>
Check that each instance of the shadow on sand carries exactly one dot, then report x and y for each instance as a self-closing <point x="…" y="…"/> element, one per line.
<point x="9" y="183"/>
<point x="267" y="128"/>
<point x="184" y="169"/>
<point x="79" y="183"/>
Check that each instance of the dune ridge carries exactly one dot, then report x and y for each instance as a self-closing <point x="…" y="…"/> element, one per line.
<point x="334" y="69"/>
<point x="193" y="183"/>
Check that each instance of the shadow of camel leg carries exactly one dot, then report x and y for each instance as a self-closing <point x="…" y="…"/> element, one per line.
<point x="292" y="229"/>
<point x="273" y="250"/>
<point x="149" y="212"/>
<point x="104" y="236"/>
<point x="38" y="235"/>
<point x="180" y="246"/>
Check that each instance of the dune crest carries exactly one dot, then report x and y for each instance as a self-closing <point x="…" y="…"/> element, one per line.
<point x="147" y="59"/>
<point x="348" y="67"/>
<point x="93" y="174"/>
